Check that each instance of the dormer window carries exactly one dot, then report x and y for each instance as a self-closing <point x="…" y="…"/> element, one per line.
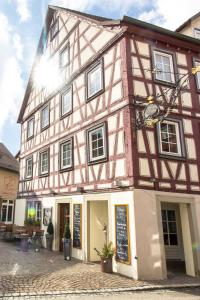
<point x="54" y="29"/>
<point x="197" y="33"/>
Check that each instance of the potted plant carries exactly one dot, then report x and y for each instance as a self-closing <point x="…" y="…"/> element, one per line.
<point x="106" y="255"/>
<point x="49" y="236"/>
<point x="67" y="243"/>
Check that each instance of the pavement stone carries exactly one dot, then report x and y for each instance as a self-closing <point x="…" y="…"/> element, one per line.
<point x="47" y="273"/>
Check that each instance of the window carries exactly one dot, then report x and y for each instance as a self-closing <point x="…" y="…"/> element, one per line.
<point x="7" y="211"/>
<point x="64" y="57"/>
<point x="33" y="210"/>
<point x="66" y="155"/>
<point x="197" y="63"/>
<point x="95" y="80"/>
<point x="170" y="134"/>
<point x="66" y="102"/>
<point x="169" y="227"/>
<point x="163" y="63"/>
<point x="30" y="128"/>
<point x="44" y="162"/>
<point x="54" y="29"/>
<point x="45" y="117"/>
<point x="197" y="33"/>
<point x="97" y="148"/>
<point x="29" y="167"/>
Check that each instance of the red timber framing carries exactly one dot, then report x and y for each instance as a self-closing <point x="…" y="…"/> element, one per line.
<point x="133" y="155"/>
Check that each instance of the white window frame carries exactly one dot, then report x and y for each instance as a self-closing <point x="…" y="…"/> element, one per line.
<point x="30" y="135"/>
<point x="67" y="51"/>
<point x="172" y="73"/>
<point x="197" y="33"/>
<point x="7" y="203"/>
<point x="44" y="126"/>
<point x="62" y="166"/>
<point x="178" y="138"/>
<point x="27" y="161"/>
<point x="41" y="159"/>
<point x="89" y="74"/>
<point x="197" y="63"/>
<point x="92" y="131"/>
<point x="65" y="92"/>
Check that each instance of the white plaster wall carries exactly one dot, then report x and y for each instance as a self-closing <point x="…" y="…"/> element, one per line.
<point x="20" y="208"/>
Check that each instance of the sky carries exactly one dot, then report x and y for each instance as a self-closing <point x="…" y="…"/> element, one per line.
<point x="21" y="23"/>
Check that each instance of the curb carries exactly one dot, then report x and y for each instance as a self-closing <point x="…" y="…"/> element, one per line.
<point x="101" y="291"/>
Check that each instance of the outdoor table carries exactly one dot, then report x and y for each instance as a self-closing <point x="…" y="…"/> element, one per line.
<point x="24" y="242"/>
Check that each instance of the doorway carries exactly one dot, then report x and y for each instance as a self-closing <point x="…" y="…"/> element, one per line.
<point x="64" y="212"/>
<point x="97" y="227"/>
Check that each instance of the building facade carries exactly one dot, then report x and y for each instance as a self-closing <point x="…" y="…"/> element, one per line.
<point x="84" y="161"/>
<point x="9" y="179"/>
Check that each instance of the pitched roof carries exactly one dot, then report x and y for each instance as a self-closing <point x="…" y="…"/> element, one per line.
<point x="188" y="22"/>
<point x="104" y="22"/>
<point x="7" y="160"/>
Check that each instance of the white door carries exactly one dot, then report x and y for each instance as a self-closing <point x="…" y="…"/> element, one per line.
<point x="172" y="232"/>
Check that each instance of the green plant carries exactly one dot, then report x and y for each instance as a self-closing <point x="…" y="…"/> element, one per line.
<point x="106" y="252"/>
<point x="28" y="221"/>
<point x="50" y="229"/>
<point x="67" y="233"/>
<point x="36" y="223"/>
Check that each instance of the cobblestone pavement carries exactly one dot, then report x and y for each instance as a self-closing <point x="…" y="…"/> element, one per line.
<point x="40" y="272"/>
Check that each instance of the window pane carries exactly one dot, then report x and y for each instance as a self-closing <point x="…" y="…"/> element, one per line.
<point x="45" y="117"/>
<point x="164" y="215"/>
<point x="66" y="102"/>
<point x="165" y="227"/>
<point x="171" y="128"/>
<point x="66" y="153"/>
<point x="171" y="215"/>
<point x="166" y="239"/>
<point x="94" y="81"/>
<point x="172" y="227"/>
<point x="4" y="213"/>
<point x="65" y="57"/>
<point x="173" y="148"/>
<point x="165" y="147"/>
<point x="173" y="239"/>
<point x="10" y="208"/>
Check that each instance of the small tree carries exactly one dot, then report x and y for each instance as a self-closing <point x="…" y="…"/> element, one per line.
<point x="67" y="233"/>
<point x="50" y="229"/>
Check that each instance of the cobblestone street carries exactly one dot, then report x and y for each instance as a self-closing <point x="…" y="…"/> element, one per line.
<point x="42" y="272"/>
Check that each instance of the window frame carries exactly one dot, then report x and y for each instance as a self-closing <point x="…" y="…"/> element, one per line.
<point x="26" y="175"/>
<point x="195" y="32"/>
<point x="104" y="157"/>
<point x="173" y="66"/>
<point x="92" y="68"/>
<point x="66" y="48"/>
<point x="56" y="21"/>
<point x="7" y="204"/>
<point x="68" y="168"/>
<point x="40" y="160"/>
<point x="180" y="140"/>
<point x="28" y="121"/>
<point x="70" y="88"/>
<point x="197" y="60"/>
<point x="41" y="117"/>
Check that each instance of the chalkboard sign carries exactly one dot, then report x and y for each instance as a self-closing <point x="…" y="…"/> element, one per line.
<point x="122" y="233"/>
<point x="77" y="230"/>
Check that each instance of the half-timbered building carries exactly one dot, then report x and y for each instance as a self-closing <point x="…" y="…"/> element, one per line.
<point x="84" y="159"/>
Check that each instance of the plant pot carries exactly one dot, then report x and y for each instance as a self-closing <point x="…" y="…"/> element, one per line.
<point x="49" y="241"/>
<point x="67" y="249"/>
<point x="106" y="265"/>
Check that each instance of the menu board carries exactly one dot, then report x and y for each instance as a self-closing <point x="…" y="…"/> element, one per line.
<point x="122" y="233"/>
<point x="77" y="230"/>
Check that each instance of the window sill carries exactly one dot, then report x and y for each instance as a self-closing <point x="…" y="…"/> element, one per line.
<point x="166" y="83"/>
<point x="66" y="169"/>
<point x="66" y="114"/>
<point x="44" y="175"/>
<point x="95" y="95"/>
<point x="172" y="157"/>
<point x="44" y="128"/>
<point x="97" y="161"/>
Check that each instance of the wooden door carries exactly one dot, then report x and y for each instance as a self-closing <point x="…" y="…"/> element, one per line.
<point x="64" y="219"/>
